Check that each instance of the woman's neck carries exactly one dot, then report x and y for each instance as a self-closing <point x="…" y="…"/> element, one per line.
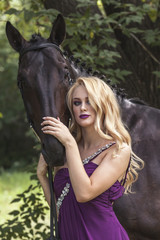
<point x="91" y="139"/>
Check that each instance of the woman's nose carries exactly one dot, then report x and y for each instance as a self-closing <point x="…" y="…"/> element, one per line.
<point x="83" y="106"/>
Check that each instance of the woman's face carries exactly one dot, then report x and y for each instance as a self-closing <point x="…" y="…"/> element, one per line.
<point x="83" y="112"/>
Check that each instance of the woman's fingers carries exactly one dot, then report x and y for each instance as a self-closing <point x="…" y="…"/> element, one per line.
<point x="51" y="122"/>
<point x="50" y="128"/>
<point x="50" y="125"/>
<point x="56" y="128"/>
<point x="48" y="122"/>
<point x="52" y="119"/>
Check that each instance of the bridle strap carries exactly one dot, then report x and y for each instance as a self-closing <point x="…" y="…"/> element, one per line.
<point x="41" y="46"/>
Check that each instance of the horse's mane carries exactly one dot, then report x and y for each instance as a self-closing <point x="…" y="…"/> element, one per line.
<point x="88" y="71"/>
<point x="137" y="101"/>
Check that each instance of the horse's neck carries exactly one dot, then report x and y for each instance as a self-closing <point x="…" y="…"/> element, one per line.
<point x="128" y="110"/>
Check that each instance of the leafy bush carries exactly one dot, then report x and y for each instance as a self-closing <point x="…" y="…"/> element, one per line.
<point x="29" y="221"/>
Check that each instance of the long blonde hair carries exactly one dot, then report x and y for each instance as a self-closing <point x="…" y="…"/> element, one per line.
<point x="108" y="121"/>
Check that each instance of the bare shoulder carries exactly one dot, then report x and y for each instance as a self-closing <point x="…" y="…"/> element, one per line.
<point x="125" y="149"/>
<point x="123" y="154"/>
<point x="120" y="158"/>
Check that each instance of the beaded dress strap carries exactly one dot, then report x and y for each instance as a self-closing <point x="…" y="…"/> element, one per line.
<point x="90" y="158"/>
<point x="65" y="190"/>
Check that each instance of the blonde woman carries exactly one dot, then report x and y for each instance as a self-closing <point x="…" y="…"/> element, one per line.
<point x="100" y="165"/>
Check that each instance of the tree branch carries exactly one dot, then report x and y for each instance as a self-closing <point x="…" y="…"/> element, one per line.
<point x="142" y="45"/>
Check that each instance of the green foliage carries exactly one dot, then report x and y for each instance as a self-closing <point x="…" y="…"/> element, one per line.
<point x="91" y="36"/>
<point x="157" y="73"/>
<point x="29" y="220"/>
<point x="100" y="54"/>
<point x="152" y="37"/>
<point x="12" y="182"/>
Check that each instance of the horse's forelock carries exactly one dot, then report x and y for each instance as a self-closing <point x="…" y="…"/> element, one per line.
<point x="36" y="37"/>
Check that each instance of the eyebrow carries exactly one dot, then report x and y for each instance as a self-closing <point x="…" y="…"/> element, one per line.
<point x="79" y="98"/>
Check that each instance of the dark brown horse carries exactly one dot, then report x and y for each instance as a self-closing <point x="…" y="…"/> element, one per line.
<point x="44" y="76"/>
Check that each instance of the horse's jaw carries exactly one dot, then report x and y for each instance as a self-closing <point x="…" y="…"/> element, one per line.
<point x="53" y="151"/>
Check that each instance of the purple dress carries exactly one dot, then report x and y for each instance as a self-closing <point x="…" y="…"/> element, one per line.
<point x="93" y="220"/>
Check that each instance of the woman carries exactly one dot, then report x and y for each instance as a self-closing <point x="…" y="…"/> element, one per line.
<point x="100" y="165"/>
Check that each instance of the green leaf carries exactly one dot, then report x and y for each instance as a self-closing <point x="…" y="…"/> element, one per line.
<point x="31" y="231"/>
<point x="28" y="15"/>
<point x="43" y="217"/>
<point x="14" y="213"/>
<point x="157" y="73"/>
<point x="39" y="225"/>
<point x="28" y="190"/>
<point x="28" y="223"/>
<point x="15" y="200"/>
<point x="12" y="11"/>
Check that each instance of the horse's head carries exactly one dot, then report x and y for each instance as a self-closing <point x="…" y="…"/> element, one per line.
<point x="43" y="79"/>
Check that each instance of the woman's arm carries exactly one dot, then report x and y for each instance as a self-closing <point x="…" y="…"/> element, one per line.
<point x="42" y="176"/>
<point x="106" y="174"/>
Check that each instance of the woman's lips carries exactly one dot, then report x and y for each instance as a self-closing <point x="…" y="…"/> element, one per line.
<point x="83" y="116"/>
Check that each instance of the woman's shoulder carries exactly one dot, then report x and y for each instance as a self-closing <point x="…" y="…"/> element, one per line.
<point x="115" y="153"/>
<point x="125" y="148"/>
<point x="124" y="153"/>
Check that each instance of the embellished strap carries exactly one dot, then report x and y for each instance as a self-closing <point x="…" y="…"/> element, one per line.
<point x="65" y="190"/>
<point x="88" y="159"/>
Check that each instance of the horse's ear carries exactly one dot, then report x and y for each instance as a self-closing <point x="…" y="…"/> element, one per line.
<point x="58" y="31"/>
<point x="14" y="37"/>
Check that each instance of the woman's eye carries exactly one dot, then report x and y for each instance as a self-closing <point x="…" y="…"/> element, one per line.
<point x="76" y="103"/>
<point x="88" y="102"/>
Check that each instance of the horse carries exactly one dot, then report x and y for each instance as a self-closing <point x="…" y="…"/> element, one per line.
<point x="44" y="76"/>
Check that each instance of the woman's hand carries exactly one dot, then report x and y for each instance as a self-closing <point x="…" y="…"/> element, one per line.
<point x="42" y="167"/>
<point x="57" y="129"/>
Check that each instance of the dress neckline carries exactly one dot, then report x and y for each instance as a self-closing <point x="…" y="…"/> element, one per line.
<point x="93" y="156"/>
<point x="96" y="165"/>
